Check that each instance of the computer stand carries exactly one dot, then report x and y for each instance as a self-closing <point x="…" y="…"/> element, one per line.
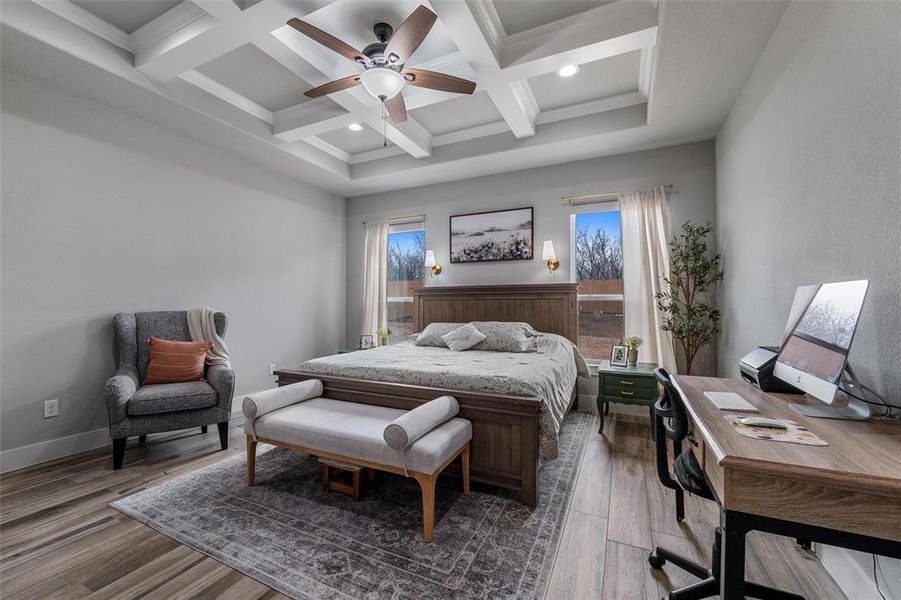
<point x="856" y="410"/>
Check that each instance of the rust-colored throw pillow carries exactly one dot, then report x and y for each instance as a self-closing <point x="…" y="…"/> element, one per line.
<point x="175" y="362"/>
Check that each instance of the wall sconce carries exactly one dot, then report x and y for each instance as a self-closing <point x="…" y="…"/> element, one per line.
<point x="550" y="256"/>
<point x="431" y="263"/>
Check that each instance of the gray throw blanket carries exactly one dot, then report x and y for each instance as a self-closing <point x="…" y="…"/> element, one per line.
<point x="202" y="327"/>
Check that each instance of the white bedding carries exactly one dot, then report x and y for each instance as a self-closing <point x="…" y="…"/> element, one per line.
<point x="548" y="374"/>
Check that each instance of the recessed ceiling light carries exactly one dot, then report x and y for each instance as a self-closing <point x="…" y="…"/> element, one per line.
<point x="355" y="127"/>
<point x="568" y="70"/>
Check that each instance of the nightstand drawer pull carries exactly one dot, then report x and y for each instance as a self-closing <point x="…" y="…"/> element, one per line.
<point x="625" y="393"/>
<point x="626" y="382"/>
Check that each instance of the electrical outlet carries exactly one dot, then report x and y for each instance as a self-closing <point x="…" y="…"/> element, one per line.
<point x="272" y="368"/>
<point x="51" y="408"/>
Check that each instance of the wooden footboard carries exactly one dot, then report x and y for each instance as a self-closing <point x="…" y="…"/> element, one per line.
<point x="504" y="448"/>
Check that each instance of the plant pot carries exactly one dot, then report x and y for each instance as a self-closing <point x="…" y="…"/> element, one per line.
<point x="384" y="341"/>
<point x="633" y="357"/>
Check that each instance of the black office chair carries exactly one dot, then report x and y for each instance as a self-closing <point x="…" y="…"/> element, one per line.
<point x="671" y="423"/>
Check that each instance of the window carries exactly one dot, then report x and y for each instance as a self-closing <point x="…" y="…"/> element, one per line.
<point x="598" y="259"/>
<point x="406" y="255"/>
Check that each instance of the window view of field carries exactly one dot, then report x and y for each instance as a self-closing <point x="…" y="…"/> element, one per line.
<point x="406" y="269"/>
<point x="599" y="271"/>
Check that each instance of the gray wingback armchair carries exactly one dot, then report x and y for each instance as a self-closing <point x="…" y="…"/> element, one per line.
<point x="136" y="410"/>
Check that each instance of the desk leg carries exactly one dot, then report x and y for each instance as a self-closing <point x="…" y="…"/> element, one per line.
<point x="732" y="569"/>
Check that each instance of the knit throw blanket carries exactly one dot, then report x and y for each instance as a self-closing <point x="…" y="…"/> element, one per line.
<point x="202" y="327"/>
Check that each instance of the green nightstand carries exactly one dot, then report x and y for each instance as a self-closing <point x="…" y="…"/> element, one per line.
<point x="626" y="385"/>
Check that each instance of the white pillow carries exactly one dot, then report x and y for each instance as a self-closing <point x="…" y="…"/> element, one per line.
<point x="463" y="338"/>
<point x="431" y="335"/>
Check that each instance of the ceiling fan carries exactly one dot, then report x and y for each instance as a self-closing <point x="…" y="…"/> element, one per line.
<point x="385" y="73"/>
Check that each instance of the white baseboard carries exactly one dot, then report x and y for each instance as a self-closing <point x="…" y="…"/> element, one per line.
<point x="35" y="454"/>
<point x="853" y="579"/>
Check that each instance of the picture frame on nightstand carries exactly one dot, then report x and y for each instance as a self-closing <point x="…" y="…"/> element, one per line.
<point x="619" y="356"/>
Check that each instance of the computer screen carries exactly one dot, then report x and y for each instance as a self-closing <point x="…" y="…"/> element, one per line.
<point x="813" y="355"/>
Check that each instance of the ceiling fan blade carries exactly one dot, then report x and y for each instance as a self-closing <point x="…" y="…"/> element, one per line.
<point x="333" y="86"/>
<point x="396" y="108"/>
<point x="328" y="40"/>
<point x="439" y="81"/>
<point x="410" y="35"/>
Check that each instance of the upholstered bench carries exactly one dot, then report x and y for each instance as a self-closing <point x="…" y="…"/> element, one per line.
<point x="418" y="443"/>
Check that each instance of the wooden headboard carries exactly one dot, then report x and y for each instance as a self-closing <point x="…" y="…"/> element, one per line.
<point x="547" y="307"/>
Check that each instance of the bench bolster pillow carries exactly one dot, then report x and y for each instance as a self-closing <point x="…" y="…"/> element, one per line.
<point x="260" y="403"/>
<point x="411" y="426"/>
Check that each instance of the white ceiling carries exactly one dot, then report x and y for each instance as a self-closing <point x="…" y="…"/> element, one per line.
<point x="605" y="78"/>
<point x="520" y="15"/>
<point x="124" y="14"/>
<point x="652" y="74"/>
<point x="250" y="72"/>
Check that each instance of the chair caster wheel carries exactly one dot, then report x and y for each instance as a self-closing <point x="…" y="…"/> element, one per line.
<point x="655" y="561"/>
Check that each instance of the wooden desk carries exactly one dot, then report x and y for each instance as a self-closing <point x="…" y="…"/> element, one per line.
<point x="845" y="494"/>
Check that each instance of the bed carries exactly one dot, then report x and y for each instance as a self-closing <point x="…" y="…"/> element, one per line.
<point x="515" y="401"/>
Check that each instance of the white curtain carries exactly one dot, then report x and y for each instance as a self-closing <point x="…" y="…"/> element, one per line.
<point x="375" y="278"/>
<point x="645" y="223"/>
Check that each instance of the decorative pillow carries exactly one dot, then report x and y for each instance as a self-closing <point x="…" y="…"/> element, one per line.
<point x="175" y="362"/>
<point x="414" y="424"/>
<point x="502" y="336"/>
<point x="463" y="338"/>
<point x="431" y="335"/>
<point x="260" y="403"/>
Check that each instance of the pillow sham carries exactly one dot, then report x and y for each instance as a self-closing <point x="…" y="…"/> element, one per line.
<point x="463" y="338"/>
<point x="431" y="335"/>
<point x="503" y="336"/>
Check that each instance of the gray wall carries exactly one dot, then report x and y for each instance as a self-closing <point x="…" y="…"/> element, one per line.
<point x="103" y="212"/>
<point x="690" y="168"/>
<point x="808" y="179"/>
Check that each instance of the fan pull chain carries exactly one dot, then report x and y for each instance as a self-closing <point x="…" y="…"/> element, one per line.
<point x="384" y="127"/>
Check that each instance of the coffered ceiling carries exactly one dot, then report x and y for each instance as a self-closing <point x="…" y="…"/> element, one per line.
<point x="238" y="69"/>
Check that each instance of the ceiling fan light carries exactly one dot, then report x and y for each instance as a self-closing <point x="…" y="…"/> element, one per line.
<point x="568" y="70"/>
<point x="355" y="127"/>
<point x="382" y="83"/>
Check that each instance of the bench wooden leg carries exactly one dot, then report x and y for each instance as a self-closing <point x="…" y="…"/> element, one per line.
<point x="251" y="460"/>
<point x="356" y="486"/>
<point x="464" y="459"/>
<point x="326" y="477"/>
<point x="427" y="484"/>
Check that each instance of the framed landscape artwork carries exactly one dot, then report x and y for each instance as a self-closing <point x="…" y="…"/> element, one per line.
<point x="491" y="236"/>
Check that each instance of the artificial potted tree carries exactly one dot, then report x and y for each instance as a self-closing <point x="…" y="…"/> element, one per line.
<point x="687" y="303"/>
<point x="384" y="333"/>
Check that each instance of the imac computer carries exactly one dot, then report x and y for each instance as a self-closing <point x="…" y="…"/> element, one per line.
<point x="814" y="354"/>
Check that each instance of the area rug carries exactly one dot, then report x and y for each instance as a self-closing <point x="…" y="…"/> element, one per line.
<point x="288" y="534"/>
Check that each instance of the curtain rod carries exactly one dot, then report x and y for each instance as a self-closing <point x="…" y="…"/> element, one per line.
<point x="405" y="218"/>
<point x="583" y="198"/>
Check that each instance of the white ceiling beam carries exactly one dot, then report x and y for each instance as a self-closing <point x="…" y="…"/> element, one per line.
<point x="517" y="105"/>
<point x="309" y="119"/>
<point x="205" y="39"/>
<point x="588" y="39"/>
<point x="335" y="151"/>
<point x="177" y="18"/>
<point x="225" y="93"/>
<point x="221" y="9"/>
<point x="477" y="33"/>
<point x="591" y="107"/>
<point x="87" y="21"/>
